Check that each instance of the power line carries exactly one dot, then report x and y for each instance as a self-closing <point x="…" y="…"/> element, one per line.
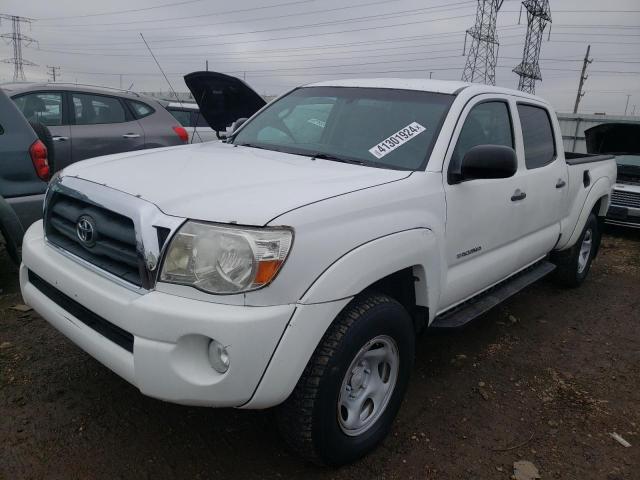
<point x="172" y="4"/>
<point x="483" y="52"/>
<point x="16" y="39"/>
<point x="227" y="22"/>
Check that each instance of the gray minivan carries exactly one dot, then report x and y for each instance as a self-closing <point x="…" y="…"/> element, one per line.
<point x="87" y="121"/>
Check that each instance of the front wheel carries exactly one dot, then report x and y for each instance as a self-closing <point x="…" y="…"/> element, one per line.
<point x="574" y="264"/>
<point x="353" y="385"/>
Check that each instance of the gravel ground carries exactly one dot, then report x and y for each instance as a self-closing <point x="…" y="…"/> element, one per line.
<point x="546" y="377"/>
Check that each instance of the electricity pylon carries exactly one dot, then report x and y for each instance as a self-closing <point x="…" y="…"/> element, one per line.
<point x="16" y="39"/>
<point x="483" y="52"/>
<point x="538" y="16"/>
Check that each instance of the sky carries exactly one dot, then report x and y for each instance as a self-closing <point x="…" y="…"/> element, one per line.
<point x="278" y="44"/>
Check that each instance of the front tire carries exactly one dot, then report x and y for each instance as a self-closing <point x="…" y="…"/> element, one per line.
<point x="351" y="389"/>
<point x="573" y="265"/>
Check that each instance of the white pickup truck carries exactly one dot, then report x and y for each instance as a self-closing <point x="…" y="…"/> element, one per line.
<point x="294" y="264"/>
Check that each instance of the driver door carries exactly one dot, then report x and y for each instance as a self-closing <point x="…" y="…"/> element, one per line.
<point x="484" y="216"/>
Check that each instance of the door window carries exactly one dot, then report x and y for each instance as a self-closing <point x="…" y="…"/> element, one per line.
<point x="488" y="123"/>
<point x="537" y="136"/>
<point x="96" y="109"/>
<point x="41" y="107"/>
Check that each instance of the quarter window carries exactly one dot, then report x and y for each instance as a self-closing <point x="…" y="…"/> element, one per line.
<point x="140" y="109"/>
<point x="41" y="107"/>
<point x="96" y="109"/>
<point x="537" y="135"/>
<point x="487" y="123"/>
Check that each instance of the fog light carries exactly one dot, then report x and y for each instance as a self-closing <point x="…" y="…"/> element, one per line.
<point x="218" y="357"/>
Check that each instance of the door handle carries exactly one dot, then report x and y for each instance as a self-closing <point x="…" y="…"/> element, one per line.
<point x="58" y="138"/>
<point x="131" y="135"/>
<point x="561" y="183"/>
<point x="518" y="195"/>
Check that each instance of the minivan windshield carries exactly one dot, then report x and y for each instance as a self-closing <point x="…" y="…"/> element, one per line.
<point x="379" y="127"/>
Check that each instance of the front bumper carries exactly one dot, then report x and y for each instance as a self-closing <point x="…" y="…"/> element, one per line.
<point x="623" y="216"/>
<point x="170" y="334"/>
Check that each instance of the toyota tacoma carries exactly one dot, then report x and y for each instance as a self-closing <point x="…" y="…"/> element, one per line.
<point x="293" y="264"/>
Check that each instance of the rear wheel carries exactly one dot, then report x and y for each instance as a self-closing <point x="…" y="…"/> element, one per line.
<point x="573" y="265"/>
<point x="353" y="385"/>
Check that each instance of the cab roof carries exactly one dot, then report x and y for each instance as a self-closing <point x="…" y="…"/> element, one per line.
<point x="450" y="87"/>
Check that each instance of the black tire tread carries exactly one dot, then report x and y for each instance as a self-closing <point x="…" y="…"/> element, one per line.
<point x="295" y="415"/>
<point x="565" y="273"/>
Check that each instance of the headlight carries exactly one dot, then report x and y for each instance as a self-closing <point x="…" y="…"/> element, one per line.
<point x="225" y="259"/>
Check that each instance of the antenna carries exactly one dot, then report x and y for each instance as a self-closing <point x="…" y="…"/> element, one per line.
<point x="172" y="89"/>
<point x="538" y="15"/>
<point x="161" y="70"/>
<point x="16" y="38"/>
<point x="483" y="52"/>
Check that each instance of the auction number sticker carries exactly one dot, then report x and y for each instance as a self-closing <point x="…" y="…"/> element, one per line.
<point x="399" y="138"/>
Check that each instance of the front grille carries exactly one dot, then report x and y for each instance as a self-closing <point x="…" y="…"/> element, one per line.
<point x="105" y="328"/>
<point x="112" y="243"/>
<point x="625" y="199"/>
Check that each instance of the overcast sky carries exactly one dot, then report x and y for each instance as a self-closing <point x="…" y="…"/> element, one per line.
<point x="277" y="44"/>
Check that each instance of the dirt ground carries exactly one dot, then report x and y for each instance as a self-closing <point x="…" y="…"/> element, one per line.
<point x="545" y="377"/>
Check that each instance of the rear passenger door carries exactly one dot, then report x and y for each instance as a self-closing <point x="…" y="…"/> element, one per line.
<point x="49" y="108"/>
<point x="102" y="125"/>
<point x="544" y="177"/>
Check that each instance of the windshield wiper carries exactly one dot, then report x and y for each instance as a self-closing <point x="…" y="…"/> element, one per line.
<point x="250" y="145"/>
<point x="335" y="158"/>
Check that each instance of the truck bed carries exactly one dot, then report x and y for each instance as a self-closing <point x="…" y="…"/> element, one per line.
<point x="574" y="158"/>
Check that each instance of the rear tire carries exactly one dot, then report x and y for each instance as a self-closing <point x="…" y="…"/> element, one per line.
<point x="362" y="366"/>
<point x="573" y="265"/>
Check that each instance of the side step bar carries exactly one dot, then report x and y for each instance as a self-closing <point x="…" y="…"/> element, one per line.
<point x="482" y="303"/>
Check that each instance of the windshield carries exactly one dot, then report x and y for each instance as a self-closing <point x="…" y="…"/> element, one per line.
<point x="370" y="126"/>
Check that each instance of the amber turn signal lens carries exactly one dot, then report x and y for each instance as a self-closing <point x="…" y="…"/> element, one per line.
<point x="267" y="269"/>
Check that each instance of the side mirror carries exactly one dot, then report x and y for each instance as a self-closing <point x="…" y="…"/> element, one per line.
<point x="489" y="161"/>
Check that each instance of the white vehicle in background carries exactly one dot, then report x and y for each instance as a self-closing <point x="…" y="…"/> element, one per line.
<point x="188" y="114"/>
<point x="294" y="264"/>
<point x="622" y="139"/>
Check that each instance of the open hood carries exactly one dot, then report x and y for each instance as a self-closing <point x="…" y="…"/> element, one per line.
<point x="613" y="138"/>
<point x="222" y="99"/>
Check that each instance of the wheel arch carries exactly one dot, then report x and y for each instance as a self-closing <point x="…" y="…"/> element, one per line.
<point x="386" y="264"/>
<point x="389" y="264"/>
<point x="597" y="202"/>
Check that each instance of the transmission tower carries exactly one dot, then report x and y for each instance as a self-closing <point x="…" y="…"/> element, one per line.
<point x="483" y="52"/>
<point x="538" y="16"/>
<point x="16" y="38"/>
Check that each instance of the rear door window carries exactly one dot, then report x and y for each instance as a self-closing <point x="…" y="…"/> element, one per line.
<point x="537" y="136"/>
<point x="97" y="109"/>
<point x="41" y="107"/>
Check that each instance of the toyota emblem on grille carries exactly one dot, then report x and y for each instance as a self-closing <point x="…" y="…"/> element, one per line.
<point x="86" y="230"/>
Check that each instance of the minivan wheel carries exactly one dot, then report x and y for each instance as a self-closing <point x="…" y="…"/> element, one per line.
<point x="573" y="265"/>
<point x="351" y="389"/>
